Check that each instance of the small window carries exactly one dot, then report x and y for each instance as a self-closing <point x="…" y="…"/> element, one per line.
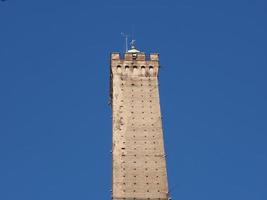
<point x="119" y="68"/>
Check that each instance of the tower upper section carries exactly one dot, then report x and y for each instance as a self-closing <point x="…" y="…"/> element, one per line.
<point x="135" y="63"/>
<point x="138" y="155"/>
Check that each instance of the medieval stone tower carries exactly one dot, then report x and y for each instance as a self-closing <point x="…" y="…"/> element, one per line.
<point x="138" y="157"/>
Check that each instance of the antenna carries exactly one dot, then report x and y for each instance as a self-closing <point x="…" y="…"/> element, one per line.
<point x="126" y="40"/>
<point x="133" y="32"/>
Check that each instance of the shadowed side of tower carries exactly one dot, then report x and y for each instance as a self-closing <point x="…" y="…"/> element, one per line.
<point x="138" y="157"/>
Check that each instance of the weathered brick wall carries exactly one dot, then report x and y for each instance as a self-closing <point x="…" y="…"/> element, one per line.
<point x="139" y="166"/>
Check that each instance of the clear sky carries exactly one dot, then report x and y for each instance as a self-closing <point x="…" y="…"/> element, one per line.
<point x="55" y="122"/>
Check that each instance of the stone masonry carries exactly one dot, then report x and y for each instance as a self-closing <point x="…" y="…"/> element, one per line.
<point x="138" y="157"/>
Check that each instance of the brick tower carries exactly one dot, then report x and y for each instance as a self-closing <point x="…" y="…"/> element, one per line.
<point x="138" y="157"/>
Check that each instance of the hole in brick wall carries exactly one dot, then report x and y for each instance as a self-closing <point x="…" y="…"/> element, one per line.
<point x="123" y="148"/>
<point x="134" y="67"/>
<point x="147" y="183"/>
<point x="126" y="67"/>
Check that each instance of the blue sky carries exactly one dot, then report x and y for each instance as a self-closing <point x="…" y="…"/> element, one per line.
<point x="55" y="122"/>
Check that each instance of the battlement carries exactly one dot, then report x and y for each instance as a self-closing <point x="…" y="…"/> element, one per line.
<point x="138" y="56"/>
<point x="135" y="64"/>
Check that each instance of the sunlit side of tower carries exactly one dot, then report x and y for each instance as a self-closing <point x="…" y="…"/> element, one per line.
<point x="138" y="157"/>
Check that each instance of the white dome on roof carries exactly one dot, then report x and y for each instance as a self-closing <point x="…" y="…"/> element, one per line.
<point x="133" y="51"/>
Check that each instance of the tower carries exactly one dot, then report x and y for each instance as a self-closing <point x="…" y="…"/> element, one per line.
<point x="138" y="156"/>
